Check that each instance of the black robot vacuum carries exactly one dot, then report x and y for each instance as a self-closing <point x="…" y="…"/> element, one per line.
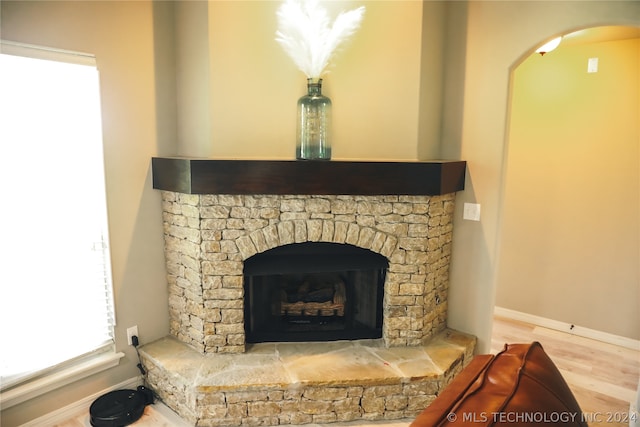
<point x="120" y="408"/>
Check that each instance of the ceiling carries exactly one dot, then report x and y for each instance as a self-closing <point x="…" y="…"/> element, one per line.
<point x="601" y="34"/>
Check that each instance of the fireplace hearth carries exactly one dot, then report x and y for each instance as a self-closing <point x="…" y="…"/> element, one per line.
<point x="314" y="291"/>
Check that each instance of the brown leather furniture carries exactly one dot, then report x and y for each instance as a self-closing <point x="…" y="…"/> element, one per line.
<point x="520" y="386"/>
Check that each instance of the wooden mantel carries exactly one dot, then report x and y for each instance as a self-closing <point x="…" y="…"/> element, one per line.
<point x="208" y="176"/>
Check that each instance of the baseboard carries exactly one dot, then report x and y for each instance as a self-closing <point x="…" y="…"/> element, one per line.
<point x="72" y="410"/>
<point x="568" y="328"/>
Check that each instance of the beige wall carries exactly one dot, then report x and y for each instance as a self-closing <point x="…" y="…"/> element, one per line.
<point x="191" y="29"/>
<point x="569" y="247"/>
<point x="375" y="84"/>
<point x="138" y="123"/>
<point x="498" y="35"/>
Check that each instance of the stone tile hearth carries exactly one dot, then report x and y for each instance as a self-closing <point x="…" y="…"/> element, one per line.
<point x="300" y="383"/>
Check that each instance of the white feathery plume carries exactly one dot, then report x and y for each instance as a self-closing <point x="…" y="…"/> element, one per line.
<point x="306" y="36"/>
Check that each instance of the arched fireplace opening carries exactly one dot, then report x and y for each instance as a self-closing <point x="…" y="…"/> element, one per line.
<point x="314" y="291"/>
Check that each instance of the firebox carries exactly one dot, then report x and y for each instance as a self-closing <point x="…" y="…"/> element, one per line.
<point x="314" y="291"/>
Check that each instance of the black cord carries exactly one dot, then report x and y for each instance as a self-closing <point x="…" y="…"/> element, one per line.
<point x="148" y="394"/>
<point x="136" y="343"/>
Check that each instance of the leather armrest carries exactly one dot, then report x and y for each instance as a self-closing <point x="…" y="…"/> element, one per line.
<point x="444" y="403"/>
<point x="520" y="386"/>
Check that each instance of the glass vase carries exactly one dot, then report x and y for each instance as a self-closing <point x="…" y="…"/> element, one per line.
<point x="314" y="124"/>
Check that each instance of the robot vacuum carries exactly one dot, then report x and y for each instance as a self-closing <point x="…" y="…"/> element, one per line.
<point x="120" y="408"/>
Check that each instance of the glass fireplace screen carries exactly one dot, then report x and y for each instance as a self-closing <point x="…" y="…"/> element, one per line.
<point x="314" y="291"/>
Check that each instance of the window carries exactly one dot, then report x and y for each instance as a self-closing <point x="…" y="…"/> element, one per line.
<point x="56" y="305"/>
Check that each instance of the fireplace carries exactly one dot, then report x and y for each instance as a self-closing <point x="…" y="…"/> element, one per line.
<point x="305" y="292"/>
<point x="209" y="238"/>
<point x="314" y="291"/>
<point x="219" y="215"/>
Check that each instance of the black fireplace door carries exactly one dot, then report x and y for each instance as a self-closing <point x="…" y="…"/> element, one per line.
<point x="314" y="291"/>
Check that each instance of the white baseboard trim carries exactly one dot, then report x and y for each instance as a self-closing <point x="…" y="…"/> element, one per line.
<point x="76" y="408"/>
<point x="568" y="328"/>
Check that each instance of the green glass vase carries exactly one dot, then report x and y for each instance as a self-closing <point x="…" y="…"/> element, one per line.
<point x="314" y="124"/>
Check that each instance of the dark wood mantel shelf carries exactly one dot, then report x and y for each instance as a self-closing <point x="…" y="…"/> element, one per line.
<point x="208" y="176"/>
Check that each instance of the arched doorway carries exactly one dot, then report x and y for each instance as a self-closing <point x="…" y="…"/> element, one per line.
<point x="570" y="216"/>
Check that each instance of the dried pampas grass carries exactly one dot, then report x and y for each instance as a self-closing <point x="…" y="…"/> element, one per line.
<point x="305" y="33"/>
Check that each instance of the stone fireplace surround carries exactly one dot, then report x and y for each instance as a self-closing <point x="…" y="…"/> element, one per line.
<point x="207" y="239"/>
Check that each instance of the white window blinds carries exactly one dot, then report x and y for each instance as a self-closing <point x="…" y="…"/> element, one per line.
<point x="56" y="300"/>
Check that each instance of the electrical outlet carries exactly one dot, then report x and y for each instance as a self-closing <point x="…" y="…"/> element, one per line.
<point x="471" y="211"/>
<point x="131" y="332"/>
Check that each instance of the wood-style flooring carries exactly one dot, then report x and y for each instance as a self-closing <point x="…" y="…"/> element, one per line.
<point x="603" y="377"/>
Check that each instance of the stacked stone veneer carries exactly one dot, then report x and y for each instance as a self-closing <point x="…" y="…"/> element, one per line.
<point x="274" y="384"/>
<point x="208" y="392"/>
<point x="208" y="237"/>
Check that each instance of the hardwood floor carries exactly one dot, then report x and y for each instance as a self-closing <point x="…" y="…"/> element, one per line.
<point x="602" y="376"/>
<point x="157" y="415"/>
